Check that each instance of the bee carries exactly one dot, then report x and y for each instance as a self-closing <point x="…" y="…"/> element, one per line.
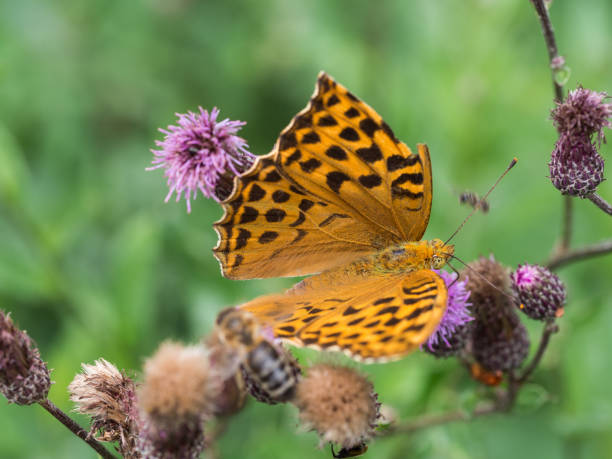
<point x="354" y="451"/>
<point x="273" y="373"/>
<point x="472" y="199"/>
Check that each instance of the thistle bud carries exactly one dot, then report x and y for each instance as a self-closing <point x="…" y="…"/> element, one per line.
<point x="541" y="292"/>
<point x="576" y="168"/>
<point x="499" y="340"/>
<point x="24" y="377"/>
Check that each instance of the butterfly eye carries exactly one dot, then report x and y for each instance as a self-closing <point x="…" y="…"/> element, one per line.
<point x="437" y="262"/>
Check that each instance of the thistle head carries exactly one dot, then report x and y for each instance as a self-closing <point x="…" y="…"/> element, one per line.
<point x="24" y="377"/>
<point x="452" y="332"/>
<point x="541" y="292"/>
<point x="201" y="154"/>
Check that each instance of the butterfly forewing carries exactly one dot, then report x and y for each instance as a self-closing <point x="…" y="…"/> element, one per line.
<point x="375" y="318"/>
<point x="337" y="186"/>
<point x="341" y="150"/>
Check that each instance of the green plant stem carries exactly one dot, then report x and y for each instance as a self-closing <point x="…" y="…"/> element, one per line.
<point x="550" y="328"/>
<point x="76" y="429"/>
<point x="566" y="237"/>
<point x="601" y="203"/>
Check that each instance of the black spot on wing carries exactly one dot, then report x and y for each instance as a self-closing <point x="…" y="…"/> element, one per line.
<point x="383" y="300"/>
<point x="328" y="120"/>
<point x="335" y="179"/>
<point x="348" y="133"/>
<point x="351" y="112"/>
<point x="333" y="100"/>
<point x="303" y="121"/>
<point x="248" y="215"/>
<point x="369" y="126"/>
<point x="287" y="140"/>
<point x="337" y="153"/>
<point x="370" y="181"/>
<point x="267" y="237"/>
<point x="396" y="162"/>
<point x="310" y="165"/>
<point x="295" y="156"/>
<point x="275" y="215"/>
<point x="370" y="154"/>
<point x="272" y="176"/>
<point x="311" y="137"/>
<point x="280" y="196"/>
<point x="256" y="193"/>
<point x="242" y="239"/>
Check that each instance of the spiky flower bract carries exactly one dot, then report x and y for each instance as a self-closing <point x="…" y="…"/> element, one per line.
<point x="451" y="334"/>
<point x="24" y="377"/>
<point x="202" y="153"/>
<point x="178" y="393"/>
<point x="541" y="292"/>
<point x="499" y="340"/>
<point x="339" y="403"/>
<point x="109" y="397"/>
<point x="582" y="114"/>
<point x="576" y="168"/>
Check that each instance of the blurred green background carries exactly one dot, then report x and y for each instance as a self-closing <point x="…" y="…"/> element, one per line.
<point x="94" y="264"/>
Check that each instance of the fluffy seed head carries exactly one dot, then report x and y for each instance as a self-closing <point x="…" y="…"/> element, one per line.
<point x="24" y="377"/>
<point x="541" y="292"/>
<point x="576" y="168"/>
<point x="339" y="403"/>
<point x="583" y="113"/>
<point x="450" y="336"/>
<point x="202" y="153"/>
<point x="178" y="383"/>
<point x="109" y="397"/>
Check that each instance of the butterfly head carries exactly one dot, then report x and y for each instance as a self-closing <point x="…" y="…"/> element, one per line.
<point x="237" y="326"/>
<point x="440" y="253"/>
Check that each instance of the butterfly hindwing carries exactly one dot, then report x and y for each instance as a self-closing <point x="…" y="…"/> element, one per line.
<point x="372" y="318"/>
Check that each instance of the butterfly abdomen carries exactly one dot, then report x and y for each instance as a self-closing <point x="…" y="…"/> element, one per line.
<point x="272" y="371"/>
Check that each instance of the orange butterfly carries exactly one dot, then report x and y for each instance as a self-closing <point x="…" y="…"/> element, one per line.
<point x="339" y="195"/>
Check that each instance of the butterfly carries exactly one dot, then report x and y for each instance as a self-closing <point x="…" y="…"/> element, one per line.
<point x="339" y="197"/>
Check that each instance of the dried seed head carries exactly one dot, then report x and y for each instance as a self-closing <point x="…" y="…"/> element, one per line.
<point x="24" y="377"/>
<point x="339" y="403"/>
<point x="452" y="332"/>
<point x="541" y="292"/>
<point x="178" y="383"/>
<point x="178" y="393"/>
<point x="576" y="168"/>
<point x="109" y="397"/>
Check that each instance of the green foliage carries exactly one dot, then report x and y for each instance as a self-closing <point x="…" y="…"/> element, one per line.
<point x="94" y="264"/>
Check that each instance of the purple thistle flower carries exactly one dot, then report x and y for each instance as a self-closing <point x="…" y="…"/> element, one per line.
<point x="582" y="114"/>
<point x="203" y="154"/>
<point x="455" y="316"/>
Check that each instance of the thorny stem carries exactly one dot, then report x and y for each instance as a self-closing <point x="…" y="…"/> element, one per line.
<point x="601" y="203"/>
<point x="601" y="248"/>
<point x="76" y="429"/>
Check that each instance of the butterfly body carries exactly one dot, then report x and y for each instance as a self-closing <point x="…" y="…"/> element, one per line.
<point x="342" y="199"/>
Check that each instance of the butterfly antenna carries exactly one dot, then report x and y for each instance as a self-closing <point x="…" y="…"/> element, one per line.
<point x="484" y="198"/>
<point x="472" y="270"/>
